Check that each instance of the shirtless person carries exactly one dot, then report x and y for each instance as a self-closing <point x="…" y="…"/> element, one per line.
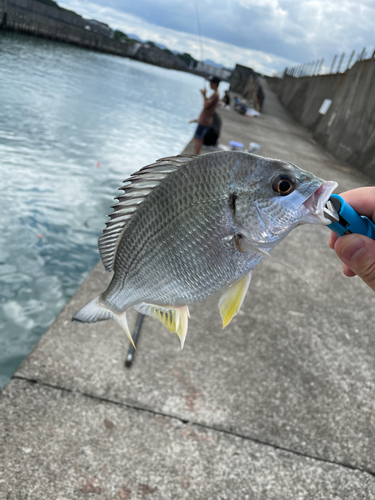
<point x="207" y="113"/>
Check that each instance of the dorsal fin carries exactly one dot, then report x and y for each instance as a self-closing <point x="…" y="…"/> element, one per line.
<point x="136" y="187"/>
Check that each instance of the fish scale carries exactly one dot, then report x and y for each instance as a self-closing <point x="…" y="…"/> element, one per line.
<point x="149" y="242"/>
<point x="187" y="227"/>
<point x="153" y="261"/>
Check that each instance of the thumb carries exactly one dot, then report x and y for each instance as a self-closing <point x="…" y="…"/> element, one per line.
<point x="358" y="253"/>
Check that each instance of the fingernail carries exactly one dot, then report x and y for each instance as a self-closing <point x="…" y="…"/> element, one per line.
<point x="353" y="248"/>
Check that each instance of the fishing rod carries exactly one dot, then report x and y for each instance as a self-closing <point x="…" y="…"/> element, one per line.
<point x="137" y="329"/>
<point x="199" y="35"/>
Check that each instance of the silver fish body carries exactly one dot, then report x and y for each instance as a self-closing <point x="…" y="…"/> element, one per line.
<point x="190" y="226"/>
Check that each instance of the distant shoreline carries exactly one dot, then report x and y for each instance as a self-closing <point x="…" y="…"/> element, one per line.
<point x="37" y="19"/>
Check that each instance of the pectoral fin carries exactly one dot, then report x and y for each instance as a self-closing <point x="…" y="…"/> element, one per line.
<point x="245" y="245"/>
<point x="174" y="318"/>
<point x="231" y="301"/>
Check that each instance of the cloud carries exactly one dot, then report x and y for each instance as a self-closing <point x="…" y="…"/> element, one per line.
<point x="224" y="53"/>
<point x="265" y="34"/>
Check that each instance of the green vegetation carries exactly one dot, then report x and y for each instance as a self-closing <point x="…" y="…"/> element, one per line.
<point x="187" y="58"/>
<point x="167" y="51"/>
<point x="119" y="35"/>
<point x="52" y="3"/>
<point x="122" y="37"/>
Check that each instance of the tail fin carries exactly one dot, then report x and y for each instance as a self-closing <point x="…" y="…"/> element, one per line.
<point x="96" y="311"/>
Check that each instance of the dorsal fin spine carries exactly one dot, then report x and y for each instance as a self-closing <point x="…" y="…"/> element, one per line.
<point x="136" y="189"/>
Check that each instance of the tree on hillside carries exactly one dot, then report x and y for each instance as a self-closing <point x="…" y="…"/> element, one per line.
<point x="187" y="58"/>
<point x="122" y="37"/>
<point x="119" y="35"/>
<point x="52" y="3"/>
<point x="168" y="51"/>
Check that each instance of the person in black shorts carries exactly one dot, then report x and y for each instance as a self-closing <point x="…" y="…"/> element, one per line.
<point x="206" y="117"/>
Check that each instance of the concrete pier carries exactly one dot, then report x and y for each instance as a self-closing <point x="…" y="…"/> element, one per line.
<point x="279" y="405"/>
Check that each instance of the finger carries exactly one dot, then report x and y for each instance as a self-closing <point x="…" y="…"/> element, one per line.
<point x="362" y="200"/>
<point x="358" y="253"/>
<point x="347" y="271"/>
<point x="332" y="240"/>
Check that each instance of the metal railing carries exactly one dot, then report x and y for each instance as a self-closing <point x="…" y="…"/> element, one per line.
<point x="318" y="68"/>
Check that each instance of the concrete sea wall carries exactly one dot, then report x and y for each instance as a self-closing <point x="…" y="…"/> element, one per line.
<point x="29" y="16"/>
<point x="35" y="18"/>
<point x="347" y="130"/>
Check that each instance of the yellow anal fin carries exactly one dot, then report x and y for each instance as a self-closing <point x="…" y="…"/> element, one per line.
<point x="174" y="318"/>
<point x="231" y="301"/>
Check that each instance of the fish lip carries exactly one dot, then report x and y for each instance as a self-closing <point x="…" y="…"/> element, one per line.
<point x="315" y="204"/>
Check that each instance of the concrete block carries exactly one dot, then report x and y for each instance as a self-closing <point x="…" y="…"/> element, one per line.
<point x="61" y="445"/>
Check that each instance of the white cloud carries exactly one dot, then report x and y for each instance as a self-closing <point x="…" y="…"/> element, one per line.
<point x="264" y="34"/>
<point x="223" y="53"/>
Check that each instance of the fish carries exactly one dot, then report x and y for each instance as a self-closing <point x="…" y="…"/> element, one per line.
<point x="187" y="227"/>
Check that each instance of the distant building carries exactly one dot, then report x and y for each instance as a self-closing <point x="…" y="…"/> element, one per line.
<point x="222" y="73"/>
<point x="246" y="82"/>
<point x="240" y="77"/>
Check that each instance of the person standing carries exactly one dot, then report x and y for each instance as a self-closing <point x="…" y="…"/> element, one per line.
<point x="226" y="99"/>
<point x="206" y="117"/>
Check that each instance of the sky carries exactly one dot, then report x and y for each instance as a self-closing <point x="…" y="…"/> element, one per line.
<point x="266" y="35"/>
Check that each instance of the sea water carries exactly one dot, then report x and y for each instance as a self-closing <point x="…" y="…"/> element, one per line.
<point x="73" y="125"/>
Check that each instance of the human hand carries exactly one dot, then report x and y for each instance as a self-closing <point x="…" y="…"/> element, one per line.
<point x="203" y="92"/>
<point x="356" y="251"/>
<point x="194" y="120"/>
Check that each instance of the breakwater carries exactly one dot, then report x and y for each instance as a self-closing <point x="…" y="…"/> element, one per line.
<point x="347" y="130"/>
<point x="35" y="18"/>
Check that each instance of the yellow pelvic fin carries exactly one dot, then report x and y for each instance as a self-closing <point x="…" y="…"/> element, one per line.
<point x="174" y="318"/>
<point x="231" y="301"/>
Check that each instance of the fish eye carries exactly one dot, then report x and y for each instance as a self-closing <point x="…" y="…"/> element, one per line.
<point x="283" y="184"/>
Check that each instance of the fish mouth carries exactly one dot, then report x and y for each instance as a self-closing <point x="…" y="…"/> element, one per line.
<point x="315" y="204"/>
